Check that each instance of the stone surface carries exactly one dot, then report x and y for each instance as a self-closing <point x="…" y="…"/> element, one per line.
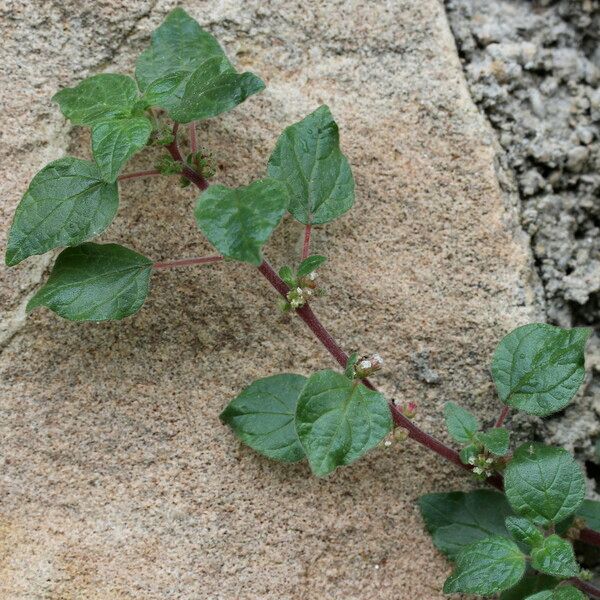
<point x="534" y="69"/>
<point x="118" y="481"/>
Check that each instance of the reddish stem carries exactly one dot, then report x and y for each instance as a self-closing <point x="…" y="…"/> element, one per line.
<point x="502" y="416"/>
<point x="308" y="316"/>
<point x="192" y="134"/>
<point x="195" y="177"/>
<point x="590" y="536"/>
<point x="585" y="587"/>
<point x="138" y="174"/>
<point x="306" y="245"/>
<point x="186" y="262"/>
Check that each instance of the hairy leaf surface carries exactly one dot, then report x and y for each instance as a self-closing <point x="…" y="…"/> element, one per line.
<point x="544" y="483"/>
<point x="238" y="222"/>
<point x="262" y="416"/>
<point x="308" y="160"/>
<point x="66" y="203"/>
<point x="337" y="421"/>
<point x="486" y="567"/>
<point x="98" y="98"/>
<point x="554" y="556"/>
<point x="462" y="425"/>
<point x="115" y="142"/>
<point x="538" y="368"/>
<point x="186" y="72"/>
<point x="95" y="282"/>
<point x="495" y="440"/>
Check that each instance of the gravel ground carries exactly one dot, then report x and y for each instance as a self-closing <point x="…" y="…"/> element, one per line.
<point x="534" y="69"/>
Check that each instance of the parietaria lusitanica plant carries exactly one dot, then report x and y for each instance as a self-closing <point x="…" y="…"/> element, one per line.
<point x="513" y="537"/>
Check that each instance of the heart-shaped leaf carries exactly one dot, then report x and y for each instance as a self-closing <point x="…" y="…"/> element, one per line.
<point x="115" y="142"/>
<point x="486" y="567"/>
<point x="214" y="87"/>
<point x="262" y="416"/>
<point x="186" y="72"/>
<point x="66" y="203"/>
<point x="99" y="98"/>
<point x="95" y="282"/>
<point x="338" y="420"/>
<point x="544" y="483"/>
<point x="308" y="160"/>
<point x="238" y="222"/>
<point x="538" y="368"/>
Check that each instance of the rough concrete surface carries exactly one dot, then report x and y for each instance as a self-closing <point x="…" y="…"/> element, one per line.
<point x="534" y="69"/>
<point x="117" y="479"/>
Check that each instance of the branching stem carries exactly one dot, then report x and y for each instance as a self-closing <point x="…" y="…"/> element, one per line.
<point x="416" y="433"/>
<point x="138" y="174"/>
<point x="502" y="416"/>
<point x="306" y="245"/>
<point x="186" y="262"/>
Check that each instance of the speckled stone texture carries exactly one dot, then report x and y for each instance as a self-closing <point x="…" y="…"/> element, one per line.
<point x="117" y="479"/>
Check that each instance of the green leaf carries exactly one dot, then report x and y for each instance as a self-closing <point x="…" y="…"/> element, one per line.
<point x="96" y="282"/>
<point x="215" y="87"/>
<point x="178" y="45"/>
<point x="307" y="158"/>
<point x="162" y="89"/>
<point x="462" y="425"/>
<point x="288" y="277"/>
<point x="98" y="98"/>
<point x="189" y="72"/>
<point x="486" y="567"/>
<point x="544" y="595"/>
<point x="262" y="416"/>
<point x="349" y="369"/>
<point x="538" y="368"/>
<point x="496" y="440"/>
<point x="338" y="421"/>
<point x="555" y="556"/>
<point x="469" y="454"/>
<point x="544" y="483"/>
<point x="457" y="519"/>
<point x="567" y="592"/>
<point x="524" y="531"/>
<point x="66" y="203"/>
<point x="238" y="222"/>
<point x="115" y="142"/>
<point x="310" y="264"/>
<point x="590" y="512"/>
<point x="529" y="585"/>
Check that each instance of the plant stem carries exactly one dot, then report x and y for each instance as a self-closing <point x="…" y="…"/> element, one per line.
<point x="186" y="262"/>
<point x="502" y="416"/>
<point x="585" y="587"/>
<point x="306" y="245"/>
<point x="590" y="536"/>
<point x="195" y="177"/>
<point x="307" y="315"/>
<point x="192" y="134"/>
<point x="138" y="174"/>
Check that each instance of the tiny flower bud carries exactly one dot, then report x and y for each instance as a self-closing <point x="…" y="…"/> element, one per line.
<point x="409" y="410"/>
<point x="367" y="365"/>
<point x="400" y="434"/>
